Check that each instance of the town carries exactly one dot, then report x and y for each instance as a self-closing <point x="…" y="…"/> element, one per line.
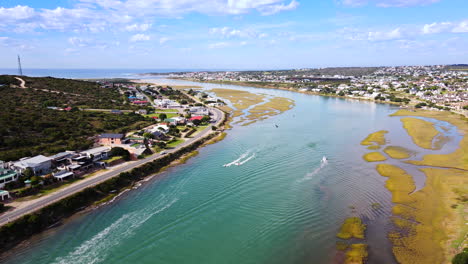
<point x="177" y="118"/>
<point x="437" y="87"/>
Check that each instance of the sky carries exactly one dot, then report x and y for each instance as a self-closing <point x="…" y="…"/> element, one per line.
<point x="232" y="34"/>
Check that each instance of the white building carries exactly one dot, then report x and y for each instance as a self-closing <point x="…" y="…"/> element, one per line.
<point x="39" y="164"/>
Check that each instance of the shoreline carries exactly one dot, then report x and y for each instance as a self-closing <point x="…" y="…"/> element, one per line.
<point x="23" y="227"/>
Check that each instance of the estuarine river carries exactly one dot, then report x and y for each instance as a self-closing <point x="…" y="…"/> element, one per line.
<point x="281" y="206"/>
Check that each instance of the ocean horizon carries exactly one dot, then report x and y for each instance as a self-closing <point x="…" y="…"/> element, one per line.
<point x="95" y="73"/>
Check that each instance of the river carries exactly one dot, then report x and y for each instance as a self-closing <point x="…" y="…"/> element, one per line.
<point x="281" y="206"/>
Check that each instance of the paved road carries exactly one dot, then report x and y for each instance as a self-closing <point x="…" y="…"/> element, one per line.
<point x="41" y="202"/>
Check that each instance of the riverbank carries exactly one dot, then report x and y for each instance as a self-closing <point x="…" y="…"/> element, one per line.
<point x="291" y="89"/>
<point x="429" y="222"/>
<point x="19" y="229"/>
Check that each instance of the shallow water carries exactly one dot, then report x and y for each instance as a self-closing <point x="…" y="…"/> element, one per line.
<point x="281" y="206"/>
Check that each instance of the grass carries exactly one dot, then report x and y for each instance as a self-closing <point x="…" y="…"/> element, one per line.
<point x="457" y="159"/>
<point x="169" y="115"/>
<point x="397" y="152"/>
<point x="356" y="254"/>
<point x="242" y="100"/>
<point x="167" y="110"/>
<point x="422" y="132"/>
<point x="112" y="159"/>
<point x="373" y="157"/>
<point x="425" y="221"/>
<point x="174" y="143"/>
<point x="375" y="138"/>
<point x="352" y="227"/>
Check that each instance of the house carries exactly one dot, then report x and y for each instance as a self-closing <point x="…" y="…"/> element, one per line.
<point x="39" y="164"/>
<point x="199" y="111"/>
<point x="140" y="102"/>
<point x="161" y="128"/>
<point x="97" y="154"/>
<point x="196" y="118"/>
<point x="6" y="175"/>
<point x="63" y="175"/>
<point x="62" y="158"/>
<point x="142" y="112"/>
<point x="109" y="139"/>
<point x="4" y="195"/>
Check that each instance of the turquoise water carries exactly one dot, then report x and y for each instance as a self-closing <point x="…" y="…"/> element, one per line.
<point x="281" y="206"/>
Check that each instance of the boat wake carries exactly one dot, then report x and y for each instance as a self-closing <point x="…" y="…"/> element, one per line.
<point x="237" y="161"/>
<point x="97" y="248"/>
<point x="308" y="176"/>
<point x="247" y="159"/>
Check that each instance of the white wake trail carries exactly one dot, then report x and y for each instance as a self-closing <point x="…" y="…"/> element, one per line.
<point x="309" y="175"/>
<point x="237" y="160"/>
<point x="244" y="161"/>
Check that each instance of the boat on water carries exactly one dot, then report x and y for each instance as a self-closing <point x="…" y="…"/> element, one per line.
<point x="324" y="159"/>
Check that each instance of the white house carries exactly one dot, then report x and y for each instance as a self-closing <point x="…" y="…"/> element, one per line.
<point x="6" y="175"/>
<point x="98" y="153"/>
<point x="39" y="164"/>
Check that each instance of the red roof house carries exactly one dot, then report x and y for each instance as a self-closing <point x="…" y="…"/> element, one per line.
<point x="196" y="118"/>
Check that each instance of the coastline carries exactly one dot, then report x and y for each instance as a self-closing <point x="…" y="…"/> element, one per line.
<point x="247" y="84"/>
<point x="16" y="231"/>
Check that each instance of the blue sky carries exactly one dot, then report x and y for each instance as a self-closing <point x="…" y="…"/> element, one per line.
<point x="232" y="34"/>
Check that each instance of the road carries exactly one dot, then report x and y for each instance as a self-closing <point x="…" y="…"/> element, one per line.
<point x="23" y="83"/>
<point x="34" y="205"/>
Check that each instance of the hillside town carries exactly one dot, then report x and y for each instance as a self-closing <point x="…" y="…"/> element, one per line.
<point x="176" y="116"/>
<point x="433" y="87"/>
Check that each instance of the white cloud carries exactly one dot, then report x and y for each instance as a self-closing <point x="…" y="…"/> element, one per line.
<point x="389" y="3"/>
<point x="227" y="32"/>
<point x="137" y="27"/>
<point x="436" y="27"/>
<point x="462" y="27"/>
<point x="16" y="13"/>
<point x="384" y="35"/>
<point x="443" y="27"/>
<point x="218" y="45"/>
<point x="139" y="37"/>
<point x="79" y="42"/>
<point x="273" y="9"/>
<point x="163" y="40"/>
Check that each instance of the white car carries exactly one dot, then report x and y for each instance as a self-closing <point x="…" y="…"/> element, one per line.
<point x="162" y="152"/>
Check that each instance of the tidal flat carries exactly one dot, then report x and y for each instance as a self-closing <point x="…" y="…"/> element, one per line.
<point x="429" y="222"/>
<point x="258" y="106"/>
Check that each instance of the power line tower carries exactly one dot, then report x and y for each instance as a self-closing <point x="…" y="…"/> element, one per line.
<point x="20" y="70"/>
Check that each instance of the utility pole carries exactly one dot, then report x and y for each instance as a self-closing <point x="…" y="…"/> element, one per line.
<point x="20" y="70"/>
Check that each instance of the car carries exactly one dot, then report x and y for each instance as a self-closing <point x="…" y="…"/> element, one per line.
<point x="162" y="152"/>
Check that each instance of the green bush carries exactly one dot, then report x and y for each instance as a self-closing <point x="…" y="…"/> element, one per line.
<point x="461" y="258"/>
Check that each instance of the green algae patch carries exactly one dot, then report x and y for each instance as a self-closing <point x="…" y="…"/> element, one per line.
<point x="397" y="152"/>
<point x="422" y="132"/>
<point x="374" y="157"/>
<point x="356" y="254"/>
<point x="375" y="138"/>
<point x="352" y="228"/>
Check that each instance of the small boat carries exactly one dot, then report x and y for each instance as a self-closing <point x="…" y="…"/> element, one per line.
<point x="324" y="159"/>
<point x="276" y="125"/>
<point x="237" y="164"/>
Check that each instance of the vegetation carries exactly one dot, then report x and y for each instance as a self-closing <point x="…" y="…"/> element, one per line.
<point x="356" y="254"/>
<point x="376" y="137"/>
<point x="352" y="227"/>
<point x="422" y="132"/>
<point x="461" y="258"/>
<point x="22" y="228"/>
<point x="373" y="157"/>
<point x="397" y="152"/>
<point x="118" y="151"/>
<point x="31" y="128"/>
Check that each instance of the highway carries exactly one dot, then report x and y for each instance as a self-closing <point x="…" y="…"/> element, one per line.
<point x="36" y="204"/>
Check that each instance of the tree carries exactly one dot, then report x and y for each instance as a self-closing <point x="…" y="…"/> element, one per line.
<point x="28" y="173"/>
<point x="118" y="151"/>
<point x="214" y="128"/>
<point x="196" y="122"/>
<point x="35" y="180"/>
<point x="206" y="119"/>
<point x="161" y="144"/>
<point x="162" y="116"/>
<point x="461" y="258"/>
<point x="148" y="135"/>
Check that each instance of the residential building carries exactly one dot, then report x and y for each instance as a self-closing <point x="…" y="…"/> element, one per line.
<point x="7" y="175"/>
<point x="109" y="139"/>
<point x="39" y="164"/>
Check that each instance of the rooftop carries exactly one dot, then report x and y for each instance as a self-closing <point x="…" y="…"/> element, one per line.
<point x="28" y="162"/>
<point x="111" y="136"/>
